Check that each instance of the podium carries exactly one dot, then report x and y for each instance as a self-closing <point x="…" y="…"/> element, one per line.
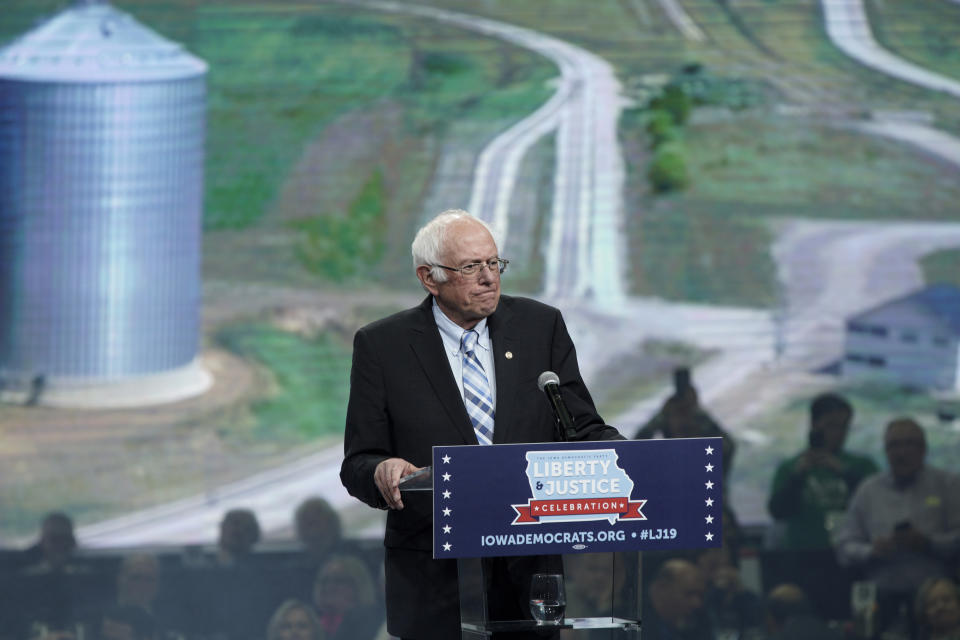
<point x="602" y="592"/>
<point x="592" y="506"/>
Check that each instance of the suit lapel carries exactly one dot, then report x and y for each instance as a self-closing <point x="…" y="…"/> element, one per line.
<point x="504" y="342"/>
<point x="428" y="347"/>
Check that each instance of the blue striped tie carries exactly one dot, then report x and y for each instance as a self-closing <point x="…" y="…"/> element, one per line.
<point x="476" y="390"/>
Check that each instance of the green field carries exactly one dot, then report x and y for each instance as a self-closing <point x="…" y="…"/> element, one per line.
<point x="942" y="266"/>
<point x="280" y="77"/>
<point x="785" y="41"/>
<point x="749" y="171"/>
<point x="926" y="32"/>
<point x="310" y="380"/>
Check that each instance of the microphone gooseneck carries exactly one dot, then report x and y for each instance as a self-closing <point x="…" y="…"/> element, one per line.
<point x="549" y="383"/>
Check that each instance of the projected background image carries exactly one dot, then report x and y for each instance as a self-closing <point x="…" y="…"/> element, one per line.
<point x="719" y="185"/>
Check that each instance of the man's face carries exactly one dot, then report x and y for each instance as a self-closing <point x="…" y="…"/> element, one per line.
<point x="318" y="530"/>
<point x="335" y="589"/>
<point x="682" y="597"/>
<point x="466" y="299"/>
<point x="57" y="541"/>
<point x="942" y="607"/>
<point x="834" y="426"/>
<point x="115" y="630"/>
<point x="906" y="448"/>
<point x="236" y="534"/>
<point x="296" y="625"/>
<point x="138" y="582"/>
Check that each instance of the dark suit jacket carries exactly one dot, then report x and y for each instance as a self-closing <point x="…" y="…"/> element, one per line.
<point x="404" y="400"/>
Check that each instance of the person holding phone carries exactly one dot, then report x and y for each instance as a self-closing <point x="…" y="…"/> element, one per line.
<point x="903" y="525"/>
<point x="811" y="490"/>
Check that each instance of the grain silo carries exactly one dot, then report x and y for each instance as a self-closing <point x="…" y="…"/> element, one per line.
<point x="101" y="178"/>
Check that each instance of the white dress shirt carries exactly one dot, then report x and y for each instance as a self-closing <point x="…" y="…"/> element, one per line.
<point x="451" y="333"/>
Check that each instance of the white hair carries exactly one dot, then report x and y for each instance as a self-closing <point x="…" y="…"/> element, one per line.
<point x="429" y="245"/>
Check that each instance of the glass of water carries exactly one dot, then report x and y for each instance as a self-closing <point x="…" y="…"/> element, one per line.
<point x="548" y="601"/>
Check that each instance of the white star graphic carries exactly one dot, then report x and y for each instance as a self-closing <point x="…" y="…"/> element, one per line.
<point x="446" y="512"/>
<point x="709" y="519"/>
<point x="447" y="529"/>
<point x="446" y="459"/>
<point x="446" y="494"/>
<point x="447" y="546"/>
<point x="709" y="502"/>
<point x="709" y="485"/>
<point x="446" y="477"/>
<point x="709" y="451"/>
<point x="709" y="537"/>
<point x="709" y="467"/>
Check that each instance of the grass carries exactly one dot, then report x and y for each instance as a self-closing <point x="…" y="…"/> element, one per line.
<point x="434" y="74"/>
<point x="926" y="32"/>
<point x="273" y="85"/>
<point x="799" y="168"/>
<point x="942" y="266"/>
<point x="785" y="40"/>
<point x="311" y="380"/>
<point x="632" y="36"/>
<point x="343" y="248"/>
<point x="710" y="243"/>
<point x="278" y="79"/>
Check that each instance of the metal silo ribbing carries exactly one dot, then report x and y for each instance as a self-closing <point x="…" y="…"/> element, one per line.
<point x="101" y="179"/>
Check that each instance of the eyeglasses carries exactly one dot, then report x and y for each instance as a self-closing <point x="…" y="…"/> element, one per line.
<point x="473" y="269"/>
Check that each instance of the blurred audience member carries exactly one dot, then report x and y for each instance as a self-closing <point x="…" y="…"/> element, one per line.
<point x="591" y="583"/>
<point x="733" y="609"/>
<point x="138" y="581"/>
<point x="682" y="417"/>
<point x="139" y="584"/>
<point x="676" y="610"/>
<point x="43" y="632"/>
<point x="903" y="525"/>
<point x="812" y="489"/>
<point x="345" y="598"/>
<point x="126" y="623"/>
<point x="294" y="620"/>
<point x="239" y="532"/>
<point x="937" y="610"/>
<point x="318" y="529"/>
<point x="790" y="616"/>
<point x="55" y="548"/>
<point x="53" y="587"/>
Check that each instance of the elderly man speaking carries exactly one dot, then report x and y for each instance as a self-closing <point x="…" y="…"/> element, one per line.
<point x="459" y="369"/>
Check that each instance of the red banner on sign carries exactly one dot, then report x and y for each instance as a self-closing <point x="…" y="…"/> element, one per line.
<point x="535" y="509"/>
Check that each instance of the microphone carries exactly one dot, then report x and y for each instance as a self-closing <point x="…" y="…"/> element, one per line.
<point x="549" y="383"/>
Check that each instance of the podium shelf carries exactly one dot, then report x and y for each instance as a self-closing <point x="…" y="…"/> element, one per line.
<point x="568" y="623"/>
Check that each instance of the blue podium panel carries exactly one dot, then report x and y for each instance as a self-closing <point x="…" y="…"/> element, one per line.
<point x="570" y="497"/>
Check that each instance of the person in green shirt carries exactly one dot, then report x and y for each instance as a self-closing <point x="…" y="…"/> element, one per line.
<point x="811" y="489"/>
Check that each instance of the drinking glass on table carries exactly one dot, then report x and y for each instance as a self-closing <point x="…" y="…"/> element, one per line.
<point x="548" y="600"/>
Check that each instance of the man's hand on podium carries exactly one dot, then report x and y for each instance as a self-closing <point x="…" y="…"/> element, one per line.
<point x="387" y="478"/>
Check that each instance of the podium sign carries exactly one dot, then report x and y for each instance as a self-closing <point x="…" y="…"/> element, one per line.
<point x="570" y="497"/>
